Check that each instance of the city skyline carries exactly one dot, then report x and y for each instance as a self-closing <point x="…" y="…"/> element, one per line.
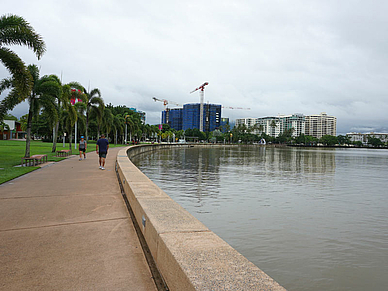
<point x="273" y="57"/>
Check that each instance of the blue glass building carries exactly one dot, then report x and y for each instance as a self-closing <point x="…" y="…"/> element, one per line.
<point x="188" y="117"/>
<point x="173" y="117"/>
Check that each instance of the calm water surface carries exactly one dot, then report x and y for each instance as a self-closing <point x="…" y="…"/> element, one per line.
<point x="313" y="219"/>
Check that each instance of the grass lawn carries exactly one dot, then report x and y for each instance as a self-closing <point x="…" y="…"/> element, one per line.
<point x="11" y="152"/>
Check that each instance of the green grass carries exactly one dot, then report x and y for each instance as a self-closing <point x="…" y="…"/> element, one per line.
<point x="11" y="152"/>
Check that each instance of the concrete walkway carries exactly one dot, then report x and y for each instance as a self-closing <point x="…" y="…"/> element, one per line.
<point x="66" y="227"/>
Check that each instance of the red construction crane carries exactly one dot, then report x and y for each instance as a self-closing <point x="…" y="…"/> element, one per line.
<point x="201" y="98"/>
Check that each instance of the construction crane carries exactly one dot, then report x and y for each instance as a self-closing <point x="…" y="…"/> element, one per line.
<point x="165" y="102"/>
<point x="228" y="107"/>
<point x="201" y="98"/>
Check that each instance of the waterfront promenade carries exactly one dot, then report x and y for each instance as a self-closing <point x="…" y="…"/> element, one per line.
<point x="66" y="227"/>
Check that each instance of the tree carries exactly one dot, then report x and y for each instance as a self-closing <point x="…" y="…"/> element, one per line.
<point x="70" y="114"/>
<point x="118" y="125"/>
<point x="14" y="30"/>
<point x="343" y="139"/>
<point x="285" y="136"/>
<point x="10" y="117"/>
<point x="51" y="87"/>
<point x="41" y="96"/>
<point x="133" y="122"/>
<point x="273" y="125"/>
<point x="329" y="140"/>
<point x="94" y="103"/>
<point x="375" y="142"/>
<point x="107" y="121"/>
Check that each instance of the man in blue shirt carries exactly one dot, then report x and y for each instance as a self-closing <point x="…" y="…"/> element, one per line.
<point x="102" y="147"/>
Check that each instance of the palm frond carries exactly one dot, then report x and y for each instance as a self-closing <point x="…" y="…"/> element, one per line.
<point x="5" y="84"/>
<point x="76" y="85"/>
<point x="95" y="93"/>
<point x="8" y="103"/>
<point x="14" y="30"/>
<point x="21" y="76"/>
<point x="34" y="71"/>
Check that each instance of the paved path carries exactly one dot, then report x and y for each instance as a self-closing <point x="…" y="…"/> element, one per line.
<point x="66" y="227"/>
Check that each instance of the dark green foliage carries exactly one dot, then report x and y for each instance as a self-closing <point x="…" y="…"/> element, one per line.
<point x="14" y="30"/>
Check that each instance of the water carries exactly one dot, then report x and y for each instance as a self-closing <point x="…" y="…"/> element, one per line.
<point x="313" y="219"/>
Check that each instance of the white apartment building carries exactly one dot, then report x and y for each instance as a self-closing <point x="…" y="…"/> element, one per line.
<point x="295" y="121"/>
<point x="248" y="122"/>
<point x="314" y="125"/>
<point x="271" y="125"/>
<point x="320" y="124"/>
<point x="363" y="137"/>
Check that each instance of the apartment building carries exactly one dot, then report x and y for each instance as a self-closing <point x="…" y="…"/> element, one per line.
<point x="295" y="121"/>
<point x="363" y="137"/>
<point x="320" y="124"/>
<point x="248" y="122"/>
<point x="269" y="125"/>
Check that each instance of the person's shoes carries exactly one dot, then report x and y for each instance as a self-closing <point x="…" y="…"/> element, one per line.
<point x="102" y="168"/>
<point x="80" y="159"/>
<point x="85" y="157"/>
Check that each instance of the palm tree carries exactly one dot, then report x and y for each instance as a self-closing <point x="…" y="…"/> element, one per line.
<point x="134" y="122"/>
<point x="118" y="125"/>
<point x="80" y="107"/>
<point x="14" y="30"/>
<point x="41" y="96"/>
<point x="70" y="114"/>
<point x="94" y="103"/>
<point x="51" y="86"/>
<point x="107" y="121"/>
<point x="273" y="125"/>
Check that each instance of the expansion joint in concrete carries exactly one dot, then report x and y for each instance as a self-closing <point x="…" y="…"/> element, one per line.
<point x="62" y="224"/>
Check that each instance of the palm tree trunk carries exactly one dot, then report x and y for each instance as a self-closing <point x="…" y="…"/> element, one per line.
<point x="116" y="138"/>
<point x="55" y="137"/>
<point x="28" y="137"/>
<point x="87" y="125"/>
<point x="70" y="138"/>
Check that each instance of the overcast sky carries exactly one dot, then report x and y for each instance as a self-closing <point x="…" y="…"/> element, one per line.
<point x="275" y="56"/>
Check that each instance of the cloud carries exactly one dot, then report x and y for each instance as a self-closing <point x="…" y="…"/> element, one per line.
<point x="274" y="57"/>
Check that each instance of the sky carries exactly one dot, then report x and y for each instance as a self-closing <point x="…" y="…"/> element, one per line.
<point x="274" y="57"/>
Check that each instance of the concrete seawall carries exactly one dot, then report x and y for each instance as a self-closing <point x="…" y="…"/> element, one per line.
<point x="187" y="254"/>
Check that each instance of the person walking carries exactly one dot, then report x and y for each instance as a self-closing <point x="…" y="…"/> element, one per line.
<point x="82" y="148"/>
<point x="102" y="147"/>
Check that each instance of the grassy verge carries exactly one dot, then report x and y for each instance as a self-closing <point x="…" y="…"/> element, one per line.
<point x="11" y="152"/>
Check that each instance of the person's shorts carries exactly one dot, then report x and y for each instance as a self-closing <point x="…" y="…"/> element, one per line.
<point x="82" y="150"/>
<point x="102" y="154"/>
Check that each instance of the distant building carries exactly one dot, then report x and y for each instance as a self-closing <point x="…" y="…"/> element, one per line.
<point x="173" y="117"/>
<point x="320" y="125"/>
<point x="141" y="113"/>
<point x="248" y="122"/>
<point x="363" y="137"/>
<point x="188" y="117"/>
<point x="12" y="130"/>
<point x="273" y="126"/>
<point x="295" y="121"/>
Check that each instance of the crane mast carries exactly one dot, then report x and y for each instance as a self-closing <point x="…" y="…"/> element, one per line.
<point x="201" y="100"/>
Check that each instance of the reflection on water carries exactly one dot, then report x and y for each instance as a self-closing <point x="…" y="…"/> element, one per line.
<point x="313" y="219"/>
